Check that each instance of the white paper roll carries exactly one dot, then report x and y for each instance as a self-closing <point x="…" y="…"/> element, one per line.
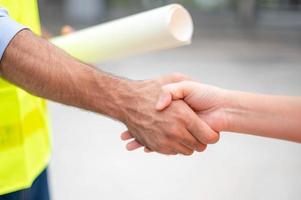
<point x="162" y="28"/>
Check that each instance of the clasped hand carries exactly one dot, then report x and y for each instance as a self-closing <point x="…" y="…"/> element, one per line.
<point x="187" y="117"/>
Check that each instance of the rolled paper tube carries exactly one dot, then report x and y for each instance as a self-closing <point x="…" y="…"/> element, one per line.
<point x="162" y="28"/>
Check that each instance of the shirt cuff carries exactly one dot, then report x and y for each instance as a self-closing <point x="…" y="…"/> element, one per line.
<point x="8" y="29"/>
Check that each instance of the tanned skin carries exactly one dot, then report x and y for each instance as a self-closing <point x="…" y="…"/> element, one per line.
<point x="44" y="70"/>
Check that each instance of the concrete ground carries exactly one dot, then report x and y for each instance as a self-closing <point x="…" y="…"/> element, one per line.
<point x="89" y="160"/>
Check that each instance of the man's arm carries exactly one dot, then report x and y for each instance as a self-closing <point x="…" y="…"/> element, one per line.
<point x="42" y="69"/>
<point x="37" y="66"/>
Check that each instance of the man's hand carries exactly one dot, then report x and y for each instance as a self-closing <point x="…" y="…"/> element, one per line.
<point x="177" y="129"/>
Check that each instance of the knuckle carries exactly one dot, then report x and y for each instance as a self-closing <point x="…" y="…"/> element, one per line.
<point x="182" y="112"/>
<point x="176" y="76"/>
<point x="173" y="131"/>
<point x="170" y="152"/>
<point x="165" y="151"/>
<point x="188" y="152"/>
<point x="185" y="82"/>
<point x="164" y="144"/>
<point x="181" y="115"/>
<point x="179" y="136"/>
<point x="154" y="147"/>
<point x="193" y="144"/>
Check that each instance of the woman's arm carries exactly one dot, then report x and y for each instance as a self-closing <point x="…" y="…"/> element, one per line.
<point x="235" y="111"/>
<point x="264" y="115"/>
<point x="242" y="112"/>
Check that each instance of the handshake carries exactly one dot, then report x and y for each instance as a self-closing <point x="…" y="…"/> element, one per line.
<point x="174" y="115"/>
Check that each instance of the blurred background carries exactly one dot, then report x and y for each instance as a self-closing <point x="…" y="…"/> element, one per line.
<point x="251" y="45"/>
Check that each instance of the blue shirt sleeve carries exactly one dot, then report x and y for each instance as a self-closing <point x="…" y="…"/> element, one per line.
<point x="8" y="29"/>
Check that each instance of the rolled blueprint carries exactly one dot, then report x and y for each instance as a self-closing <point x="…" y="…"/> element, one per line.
<point x="162" y="28"/>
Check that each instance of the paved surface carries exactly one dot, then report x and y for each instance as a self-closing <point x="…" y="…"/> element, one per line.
<point x="89" y="160"/>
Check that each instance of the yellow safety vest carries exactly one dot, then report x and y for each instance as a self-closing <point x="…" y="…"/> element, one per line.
<point x="24" y="133"/>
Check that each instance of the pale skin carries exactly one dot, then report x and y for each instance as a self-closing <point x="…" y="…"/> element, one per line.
<point x="234" y="111"/>
<point x="40" y="68"/>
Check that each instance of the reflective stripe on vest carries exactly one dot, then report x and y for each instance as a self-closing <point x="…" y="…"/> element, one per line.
<point x="24" y="135"/>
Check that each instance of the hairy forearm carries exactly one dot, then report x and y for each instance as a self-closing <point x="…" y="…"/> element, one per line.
<point x="46" y="71"/>
<point x="37" y="66"/>
<point x="264" y="115"/>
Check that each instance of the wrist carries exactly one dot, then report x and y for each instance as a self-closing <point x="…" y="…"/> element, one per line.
<point x="134" y="96"/>
<point x="233" y="109"/>
<point x="228" y="108"/>
<point x="116" y="95"/>
<point x="104" y="93"/>
<point x="130" y="97"/>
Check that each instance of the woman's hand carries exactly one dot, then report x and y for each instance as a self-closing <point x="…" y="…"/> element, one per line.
<point x="207" y="101"/>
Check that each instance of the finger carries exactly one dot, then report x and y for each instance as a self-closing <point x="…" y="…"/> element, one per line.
<point x="166" y="147"/>
<point x="133" y="145"/>
<point x="200" y="130"/>
<point x="147" y="150"/>
<point x="191" y="142"/>
<point x="199" y="148"/>
<point x="180" y="90"/>
<point x="202" y="147"/>
<point x="169" y="152"/>
<point x="46" y="34"/>
<point x="182" y="149"/>
<point x="164" y="101"/>
<point x="126" y="135"/>
<point x="175" y="147"/>
<point x="67" y="30"/>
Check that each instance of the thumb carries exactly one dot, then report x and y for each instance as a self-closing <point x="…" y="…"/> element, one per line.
<point x="67" y="30"/>
<point x="174" y="91"/>
<point x="164" y="101"/>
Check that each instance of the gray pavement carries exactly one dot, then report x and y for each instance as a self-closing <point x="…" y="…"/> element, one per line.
<point x="89" y="160"/>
